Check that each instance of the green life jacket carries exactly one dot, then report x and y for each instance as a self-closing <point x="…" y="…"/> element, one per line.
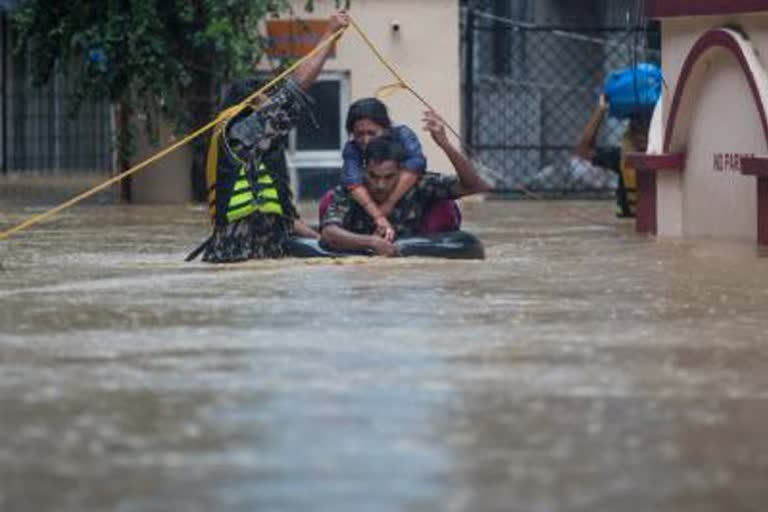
<point x="244" y="202"/>
<point x="229" y="202"/>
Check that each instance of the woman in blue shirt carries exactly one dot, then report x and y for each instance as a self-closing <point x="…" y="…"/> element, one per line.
<point x="367" y="119"/>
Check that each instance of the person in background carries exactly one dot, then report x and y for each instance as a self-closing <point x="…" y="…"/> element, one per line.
<point x="368" y="118"/>
<point x="635" y="139"/>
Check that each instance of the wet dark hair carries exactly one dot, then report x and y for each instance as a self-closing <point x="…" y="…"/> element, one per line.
<point x="368" y="108"/>
<point x="238" y="90"/>
<point x="384" y="149"/>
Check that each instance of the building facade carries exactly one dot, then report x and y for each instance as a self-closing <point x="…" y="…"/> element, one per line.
<point x="420" y="39"/>
<point x="706" y="171"/>
<point x="407" y="35"/>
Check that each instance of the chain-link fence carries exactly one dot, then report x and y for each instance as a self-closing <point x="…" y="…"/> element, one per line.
<point x="529" y="90"/>
<point x="39" y="134"/>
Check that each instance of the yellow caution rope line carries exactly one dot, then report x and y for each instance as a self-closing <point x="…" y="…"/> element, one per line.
<point x="224" y="115"/>
<point x="400" y="81"/>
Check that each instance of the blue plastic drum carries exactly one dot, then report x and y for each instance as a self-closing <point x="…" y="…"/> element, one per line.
<point x="633" y="90"/>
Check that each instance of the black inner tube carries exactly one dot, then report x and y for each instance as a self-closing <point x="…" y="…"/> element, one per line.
<point x="450" y="245"/>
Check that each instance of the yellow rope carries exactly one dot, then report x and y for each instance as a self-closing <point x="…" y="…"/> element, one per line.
<point x="232" y="111"/>
<point x="400" y="81"/>
<point x="224" y="115"/>
<point x="387" y="90"/>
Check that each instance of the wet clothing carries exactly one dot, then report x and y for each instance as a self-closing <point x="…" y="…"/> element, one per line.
<point x="626" y="193"/>
<point x="407" y="215"/>
<point x="444" y="215"/>
<point x="352" y="171"/>
<point x="250" y="201"/>
<point x="257" y="236"/>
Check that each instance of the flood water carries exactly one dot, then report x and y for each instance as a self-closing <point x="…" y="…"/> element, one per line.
<point x="579" y="368"/>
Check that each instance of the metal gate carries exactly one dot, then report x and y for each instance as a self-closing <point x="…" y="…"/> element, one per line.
<point x="529" y="90"/>
<point x="39" y="131"/>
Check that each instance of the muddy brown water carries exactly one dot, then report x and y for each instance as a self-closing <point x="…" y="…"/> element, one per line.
<point x="579" y="368"/>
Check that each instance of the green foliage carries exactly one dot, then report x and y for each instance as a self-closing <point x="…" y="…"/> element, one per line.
<point x="149" y="56"/>
<point x="154" y="48"/>
<point x="154" y="58"/>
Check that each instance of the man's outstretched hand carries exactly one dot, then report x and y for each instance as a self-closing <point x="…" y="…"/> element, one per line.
<point x="337" y="21"/>
<point x="434" y="125"/>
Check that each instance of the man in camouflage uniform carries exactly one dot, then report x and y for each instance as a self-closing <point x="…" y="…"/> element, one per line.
<point x="249" y="199"/>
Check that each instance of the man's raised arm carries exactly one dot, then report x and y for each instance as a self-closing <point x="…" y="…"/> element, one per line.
<point x="306" y="74"/>
<point x="469" y="182"/>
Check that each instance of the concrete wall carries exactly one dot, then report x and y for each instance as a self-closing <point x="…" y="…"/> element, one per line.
<point x="169" y="179"/>
<point x="718" y="117"/>
<point x="722" y="202"/>
<point x="425" y="51"/>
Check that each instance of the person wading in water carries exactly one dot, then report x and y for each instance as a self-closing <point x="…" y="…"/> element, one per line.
<point x="249" y="200"/>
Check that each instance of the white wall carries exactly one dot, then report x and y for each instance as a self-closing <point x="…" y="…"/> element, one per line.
<point x="723" y="120"/>
<point x="169" y="179"/>
<point x="425" y="52"/>
<point x="718" y="115"/>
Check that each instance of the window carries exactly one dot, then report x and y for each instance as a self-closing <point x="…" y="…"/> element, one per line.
<point x="314" y="155"/>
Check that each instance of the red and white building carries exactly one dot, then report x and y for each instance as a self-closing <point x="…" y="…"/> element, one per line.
<point x="706" y="170"/>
